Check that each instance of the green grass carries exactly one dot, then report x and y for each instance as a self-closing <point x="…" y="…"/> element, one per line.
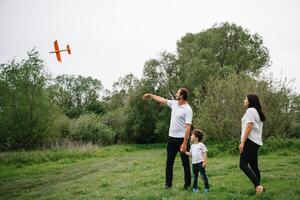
<point x="138" y="172"/>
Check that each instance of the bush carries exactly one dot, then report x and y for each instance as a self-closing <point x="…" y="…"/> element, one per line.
<point x="295" y="130"/>
<point x="88" y="128"/>
<point x="59" y="128"/>
<point x="115" y="119"/>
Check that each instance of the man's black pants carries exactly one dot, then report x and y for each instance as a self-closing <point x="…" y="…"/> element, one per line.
<point x="173" y="147"/>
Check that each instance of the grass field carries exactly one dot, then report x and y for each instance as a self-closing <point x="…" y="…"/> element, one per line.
<point x="138" y="171"/>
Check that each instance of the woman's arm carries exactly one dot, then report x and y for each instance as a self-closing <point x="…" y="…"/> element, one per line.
<point x="246" y="134"/>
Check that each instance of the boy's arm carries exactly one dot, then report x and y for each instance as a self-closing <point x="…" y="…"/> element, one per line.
<point x="155" y="97"/>
<point x="204" y="159"/>
<point x="188" y="153"/>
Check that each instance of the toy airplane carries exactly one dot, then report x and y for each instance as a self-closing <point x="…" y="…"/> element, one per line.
<point x="57" y="51"/>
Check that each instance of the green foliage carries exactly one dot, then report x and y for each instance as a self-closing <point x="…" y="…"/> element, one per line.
<point x="220" y="112"/>
<point x="95" y="106"/>
<point x="115" y="119"/>
<point x="163" y="74"/>
<point x="295" y="129"/>
<point x="26" y="112"/>
<point x="23" y="158"/>
<point x="88" y="128"/>
<point x="76" y="95"/>
<point x="225" y="48"/>
<point x="280" y="145"/>
<point x="122" y="89"/>
<point x="59" y="128"/>
<point x="139" y="125"/>
<point x="141" y="118"/>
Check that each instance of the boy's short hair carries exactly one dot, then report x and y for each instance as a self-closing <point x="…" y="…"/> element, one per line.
<point x="198" y="134"/>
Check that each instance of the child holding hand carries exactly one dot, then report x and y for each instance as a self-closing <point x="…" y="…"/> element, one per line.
<point x="198" y="152"/>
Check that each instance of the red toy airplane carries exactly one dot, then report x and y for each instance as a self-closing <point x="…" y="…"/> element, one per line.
<point x="57" y="51"/>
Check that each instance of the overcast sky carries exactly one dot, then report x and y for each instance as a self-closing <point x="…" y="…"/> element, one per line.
<point x="111" y="38"/>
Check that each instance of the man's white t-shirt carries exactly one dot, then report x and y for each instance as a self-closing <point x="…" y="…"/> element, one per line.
<point x="198" y="151"/>
<point x="255" y="135"/>
<point x="181" y="115"/>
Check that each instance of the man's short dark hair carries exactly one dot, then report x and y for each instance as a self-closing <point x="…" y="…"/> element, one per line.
<point x="184" y="93"/>
<point x="198" y="134"/>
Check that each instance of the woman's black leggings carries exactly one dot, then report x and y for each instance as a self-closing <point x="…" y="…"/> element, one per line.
<point x="249" y="163"/>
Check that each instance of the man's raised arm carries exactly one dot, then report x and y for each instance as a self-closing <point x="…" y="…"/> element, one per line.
<point x="155" y="97"/>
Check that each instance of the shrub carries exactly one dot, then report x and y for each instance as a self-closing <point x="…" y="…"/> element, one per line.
<point x="88" y="128"/>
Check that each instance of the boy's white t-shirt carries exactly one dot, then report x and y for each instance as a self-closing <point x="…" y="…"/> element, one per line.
<point x="198" y="151"/>
<point x="181" y="115"/>
<point x="255" y="135"/>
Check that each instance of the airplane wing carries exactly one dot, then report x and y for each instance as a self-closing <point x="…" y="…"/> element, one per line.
<point x="56" y="48"/>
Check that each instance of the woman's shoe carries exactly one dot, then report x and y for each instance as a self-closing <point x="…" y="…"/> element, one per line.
<point x="260" y="189"/>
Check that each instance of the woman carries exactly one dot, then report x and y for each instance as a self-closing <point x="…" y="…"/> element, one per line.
<point x="251" y="140"/>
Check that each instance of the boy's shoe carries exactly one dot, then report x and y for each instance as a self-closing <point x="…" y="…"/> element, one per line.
<point x="206" y="190"/>
<point x="195" y="190"/>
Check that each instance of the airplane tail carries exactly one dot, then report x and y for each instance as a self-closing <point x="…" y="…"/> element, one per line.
<point x="68" y="48"/>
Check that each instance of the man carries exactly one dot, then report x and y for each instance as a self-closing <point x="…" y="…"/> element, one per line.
<point x="179" y="131"/>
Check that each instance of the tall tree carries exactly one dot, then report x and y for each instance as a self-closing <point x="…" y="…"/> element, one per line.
<point x="163" y="74"/>
<point x="220" y="50"/>
<point x="119" y="96"/>
<point x="25" y="110"/>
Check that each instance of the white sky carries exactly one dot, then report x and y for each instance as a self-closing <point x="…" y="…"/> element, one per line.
<point x="111" y="38"/>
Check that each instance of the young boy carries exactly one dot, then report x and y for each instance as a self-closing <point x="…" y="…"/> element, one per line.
<point x="199" y="159"/>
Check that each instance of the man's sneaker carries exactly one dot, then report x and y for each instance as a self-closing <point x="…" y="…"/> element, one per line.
<point x="186" y="187"/>
<point x="206" y="190"/>
<point x="168" y="187"/>
<point x="195" y="190"/>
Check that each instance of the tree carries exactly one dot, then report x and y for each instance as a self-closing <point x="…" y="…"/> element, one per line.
<point x="25" y="110"/>
<point x="220" y="50"/>
<point x="163" y="74"/>
<point x="76" y="95"/>
<point x="141" y="117"/>
<point x="122" y="89"/>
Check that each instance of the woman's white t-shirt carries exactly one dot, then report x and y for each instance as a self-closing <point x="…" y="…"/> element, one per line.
<point x="252" y="116"/>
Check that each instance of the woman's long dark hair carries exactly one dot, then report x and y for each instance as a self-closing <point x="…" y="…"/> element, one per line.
<point x="255" y="103"/>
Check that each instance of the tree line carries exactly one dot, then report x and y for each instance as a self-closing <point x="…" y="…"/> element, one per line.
<point x="219" y="66"/>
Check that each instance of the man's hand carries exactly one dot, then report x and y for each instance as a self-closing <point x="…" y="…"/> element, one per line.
<point x="241" y="147"/>
<point x="155" y="98"/>
<point x="146" y="96"/>
<point x="183" y="148"/>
